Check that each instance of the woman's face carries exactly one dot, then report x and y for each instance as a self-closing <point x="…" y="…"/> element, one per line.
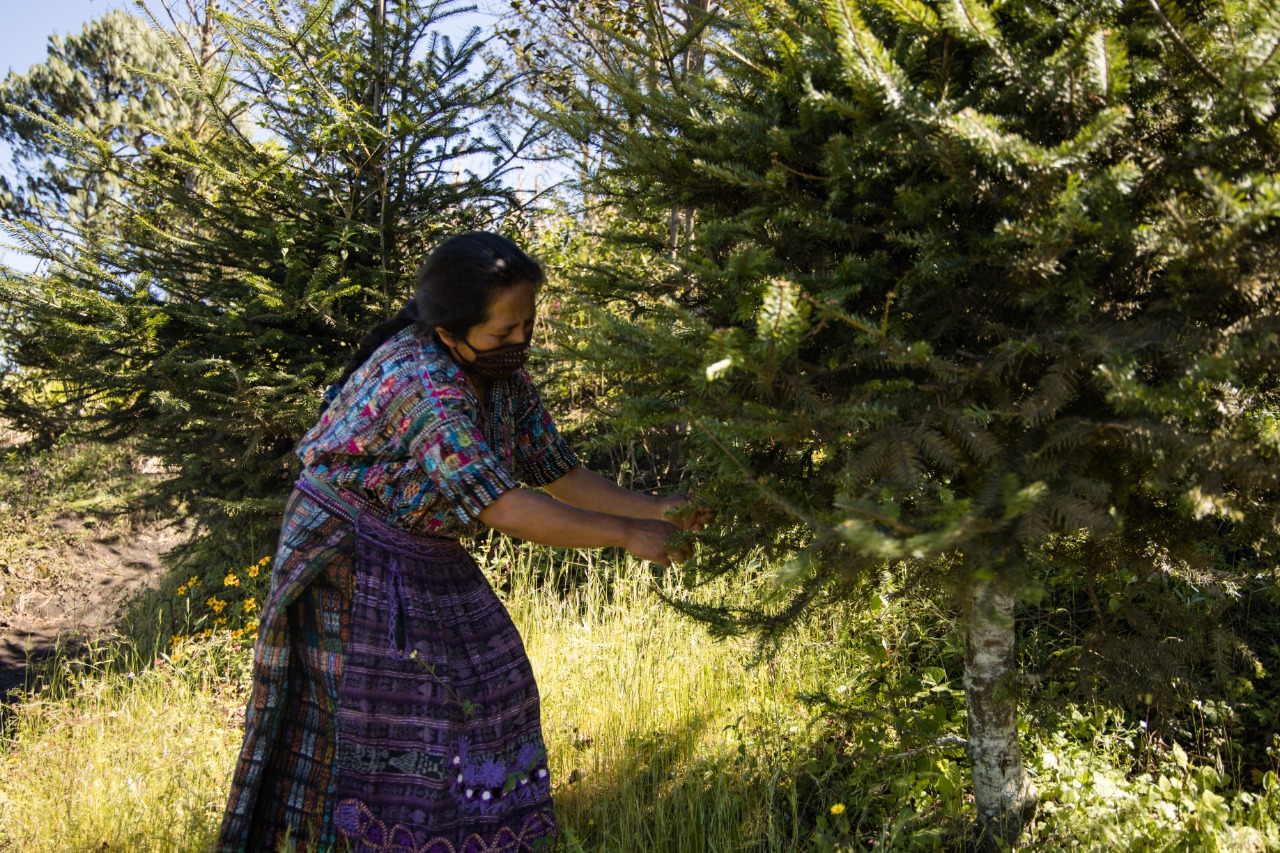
<point x="508" y="321"/>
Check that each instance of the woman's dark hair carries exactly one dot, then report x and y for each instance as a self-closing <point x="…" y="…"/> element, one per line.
<point x="453" y="289"/>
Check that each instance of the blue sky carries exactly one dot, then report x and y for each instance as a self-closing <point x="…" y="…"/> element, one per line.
<point x="29" y="23"/>
<point x="25" y="25"/>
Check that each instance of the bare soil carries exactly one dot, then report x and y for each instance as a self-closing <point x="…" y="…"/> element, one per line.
<point x="72" y="589"/>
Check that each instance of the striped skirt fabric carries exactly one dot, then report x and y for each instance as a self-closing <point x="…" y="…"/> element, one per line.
<point x="393" y="708"/>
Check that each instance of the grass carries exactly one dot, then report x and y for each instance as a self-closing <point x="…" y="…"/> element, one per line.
<point x="660" y="738"/>
<point x="115" y="752"/>
<point x="645" y="716"/>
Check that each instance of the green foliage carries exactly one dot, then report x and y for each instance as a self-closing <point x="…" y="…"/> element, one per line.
<point x="118" y="83"/>
<point x="954" y="278"/>
<point x="961" y="277"/>
<point x="578" y="391"/>
<point x="560" y="46"/>
<point x="117" y="87"/>
<point x="1175" y="804"/>
<point x="255" y="250"/>
<point x="1186" y="648"/>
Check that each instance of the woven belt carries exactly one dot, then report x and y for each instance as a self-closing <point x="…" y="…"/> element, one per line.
<point x="370" y="526"/>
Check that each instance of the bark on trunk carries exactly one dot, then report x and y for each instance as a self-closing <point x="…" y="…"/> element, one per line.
<point x="1002" y="791"/>
<point x="680" y="225"/>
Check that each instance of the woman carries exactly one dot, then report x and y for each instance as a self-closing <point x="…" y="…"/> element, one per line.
<point x="393" y="706"/>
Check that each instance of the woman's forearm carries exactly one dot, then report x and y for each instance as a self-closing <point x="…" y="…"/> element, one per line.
<point x="538" y="518"/>
<point x="528" y="515"/>
<point x="588" y="490"/>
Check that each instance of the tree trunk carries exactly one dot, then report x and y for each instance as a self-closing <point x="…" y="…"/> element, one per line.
<point x="680" y="226"/>
<point x="1004" y="794"/>
<point x="208" y="53"/>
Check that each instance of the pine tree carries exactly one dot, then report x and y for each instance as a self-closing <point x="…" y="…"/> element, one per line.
<point x="962" y="277"/>
<point x="119" y="81"/>
<point x="116" y="79"/>
<point x="563" y="50"/>
<point x="251" y="258"/>
<point x="559" y="47"/>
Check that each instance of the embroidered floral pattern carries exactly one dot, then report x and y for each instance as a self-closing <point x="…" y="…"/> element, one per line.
<point x="367" y="834"/>
<point x="488" y="786"/>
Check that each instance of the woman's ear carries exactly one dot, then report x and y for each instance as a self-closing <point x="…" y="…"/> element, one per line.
<point x="446" y="336"/>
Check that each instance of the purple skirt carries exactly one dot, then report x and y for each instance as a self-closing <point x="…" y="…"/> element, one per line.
<point x="438" y="734"/>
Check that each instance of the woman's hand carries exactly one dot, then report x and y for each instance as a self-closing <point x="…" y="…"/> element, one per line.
<point x="648" y="540"/>
<point x="678" y="510"/>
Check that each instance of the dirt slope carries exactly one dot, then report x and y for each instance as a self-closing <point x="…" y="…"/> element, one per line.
<point x="72" y="589"/>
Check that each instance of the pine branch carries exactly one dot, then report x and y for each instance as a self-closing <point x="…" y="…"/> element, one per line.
<point x="1182" y="45"/>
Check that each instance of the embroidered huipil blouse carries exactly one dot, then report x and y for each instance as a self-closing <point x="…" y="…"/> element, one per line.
<point x="407" y="437"/>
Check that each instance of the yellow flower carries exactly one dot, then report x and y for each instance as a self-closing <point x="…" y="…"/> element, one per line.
<point x="250" y="605"/>
<point x="195" y="579"/>
<point x="252" y="571"/>
<point x="182" y="590"/>
<point x="216" y="603"/>
<point x="218" y="623"/>
<point x="231" y="580"/>
<point x="838" y="808"/>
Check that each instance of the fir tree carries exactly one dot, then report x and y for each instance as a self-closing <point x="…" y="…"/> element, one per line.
<point x="118" y="80"/>
<point x="564" y="51"/>
<point x="962" y="277"/>
<point x="252" y="258"/>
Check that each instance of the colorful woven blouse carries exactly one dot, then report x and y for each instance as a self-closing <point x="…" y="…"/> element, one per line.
<point x="407" y="437"/>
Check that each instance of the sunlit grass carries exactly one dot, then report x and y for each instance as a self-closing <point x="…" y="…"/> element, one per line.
<point x="649" y="721"/>
<point x="660" y="738"/>
<point x="116" y="753"/>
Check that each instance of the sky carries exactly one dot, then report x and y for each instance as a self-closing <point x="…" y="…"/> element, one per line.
<point x="29" y="23"/>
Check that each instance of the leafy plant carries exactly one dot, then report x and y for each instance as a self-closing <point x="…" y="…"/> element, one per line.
<point x="960" y="277"/>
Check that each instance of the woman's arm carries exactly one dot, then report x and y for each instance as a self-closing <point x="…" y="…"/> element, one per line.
<point x="588" y="490"/>
<point x="538" y="518"/>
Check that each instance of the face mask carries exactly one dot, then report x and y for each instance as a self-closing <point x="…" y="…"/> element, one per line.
<point x="496" y="363"/>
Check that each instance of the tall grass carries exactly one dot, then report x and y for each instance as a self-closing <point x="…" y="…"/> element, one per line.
<point x="114" y="751"/>
<point x="649" y="721"/>
<point x="652" y="727"/>
<point x="660" y="738"/>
